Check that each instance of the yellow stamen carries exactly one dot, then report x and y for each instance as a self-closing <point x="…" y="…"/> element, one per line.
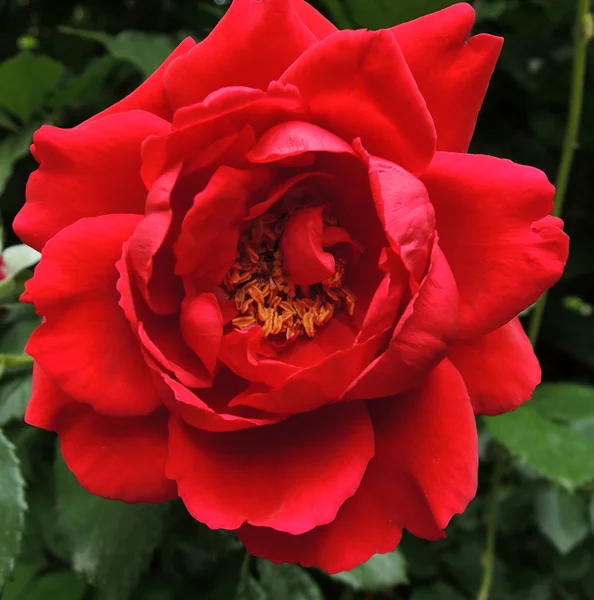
<point x="264" y="294"/>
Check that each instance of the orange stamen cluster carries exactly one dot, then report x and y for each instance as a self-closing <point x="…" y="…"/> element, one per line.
<point x="264" y="293"/>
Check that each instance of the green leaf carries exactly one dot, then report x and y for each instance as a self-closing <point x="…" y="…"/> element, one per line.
<point x="338" y="14"/>
<point x="81" y="89"/>
<point x="421" y="557"/>
<point x="250" y="589"/>
<point x="155" y="587"/>
<point x="555" y="451"/>
<point x="62" y="585"/>
<point x="12" y="148"/>
<point x="247" y="587"/>
<point x="561" y="518"/>
<point x="380" y="572"/>
<point x="378" y="14"/>
<point x="7" y="123"/>
<point x="8" y="290"/>
<point x="288" y="581"/>
<point x="15" y="392"/>
<point x="111" y="543"/>
<point x="16" y="328"/>
<point x="543" y="590"/>
<point x="145" y="51"/>
<point x="571" y="332"/>
<point x="21" y="578"/>
<point x="437" y="591"/>
<point x="25" y="82"/>
<point x="574" y="565"/>
<point x="12" y="508"/>
<point x="28" y="42"/>
<point x="18" y="258"/>
<point x="491" y="11"/>
<point x="564" y="401"/>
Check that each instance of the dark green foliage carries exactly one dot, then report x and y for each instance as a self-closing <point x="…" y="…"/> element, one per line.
<point x="61" y="62"/>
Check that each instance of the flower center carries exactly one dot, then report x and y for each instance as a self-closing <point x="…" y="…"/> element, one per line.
<point x="264" y="293"/>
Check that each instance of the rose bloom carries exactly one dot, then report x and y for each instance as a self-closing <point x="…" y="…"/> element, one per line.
<point x="274" y="284"/>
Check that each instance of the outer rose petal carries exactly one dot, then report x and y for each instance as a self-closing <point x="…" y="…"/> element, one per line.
<point x="451" y="71"/>
<point x="85" y="344"/>
<point x="273" y="476"/>
<point x="47" y="400"/>
<point x="361" y="529"/>
<point x="358" y="85"/>
<point x="491" y="222"/>
<point x="500" y="370"/>
<point x="91" y="170"/>
<point x="252" y="45"/>
<point x="150" y="96"/>
<point x="121" y="458"/>
<point x="313" y="20"/>
<point x="424" y="471"/>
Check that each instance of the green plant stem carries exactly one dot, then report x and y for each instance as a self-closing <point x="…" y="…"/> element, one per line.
<point x="245" y="565"/>
<point x="16" y="360"/>
<point x="582" y="35"/>
<point x="489" y="555"/>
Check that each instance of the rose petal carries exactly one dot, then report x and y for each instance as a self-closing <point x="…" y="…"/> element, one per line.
<point x="149" y="256"/>
<point x="197" y="410"/>
<point x="294" y="138"/>
<point x="424" y="471"/>
<point x="420" y="340"/>
<point x="202" y="328"/>
<point x="273" y="476"/>
<point x="214" y="221"/>
<point x="47" y="400"/>
<point x="383" y="309"/>
<point x="162" y="339"/>
<point x="226" y="110"/>
<point x="358" y="85"/>
<point x="251" y="46"/>
<point x="451" y="70"/>
<point x="91" y="170"/>
<point x="403" y="206"/>
<point x="302" y="245"/>
<point x="241" y="352"/>
<point x="491" y="221"/>
<point x="85" y="344"/>
<point x="325" y="378"/>
<point x="120" y="458"/>
<point x="500" y="370"/>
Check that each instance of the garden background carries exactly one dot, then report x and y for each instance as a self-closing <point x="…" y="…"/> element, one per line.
<point x="528" y="535"/>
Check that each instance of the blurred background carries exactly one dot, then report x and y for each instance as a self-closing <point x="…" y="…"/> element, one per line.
<point x="61" y="62"/>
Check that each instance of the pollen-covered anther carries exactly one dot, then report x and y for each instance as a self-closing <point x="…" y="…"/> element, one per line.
<point x="264" y="294"/>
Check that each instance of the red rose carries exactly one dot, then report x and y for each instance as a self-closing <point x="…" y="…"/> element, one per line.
<point x="275" y="284"/>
